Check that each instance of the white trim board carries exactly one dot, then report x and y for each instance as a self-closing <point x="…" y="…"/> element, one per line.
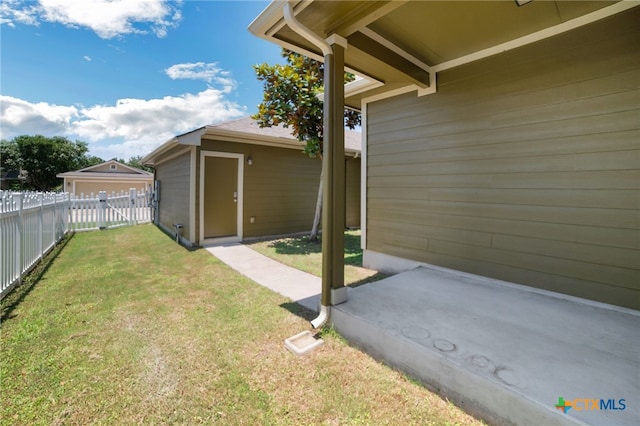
<point x="240" y="205"/>
<point x="193" y="157"/>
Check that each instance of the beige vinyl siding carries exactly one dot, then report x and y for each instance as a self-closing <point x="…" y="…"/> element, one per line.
<point x="523" y="167"/>
<point x="280" y="188"/>
<point x="174" y="205"/>
<point x="107" y="168"/>
<point x="88" y="187"/>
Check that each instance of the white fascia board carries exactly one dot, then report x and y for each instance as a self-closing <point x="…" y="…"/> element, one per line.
<point x="189" y="139"/>
<point x="250" y="138"/>
<point x="386" y="43"/>
<point x="271" y="20"/>
<point x="192" y="138"/>
<point x="361" y="85"/>
<point x="264" y="25"/>
<point x="390" y="93"/>
<point x="150" y="158"/>
<point x="173" y="155"/>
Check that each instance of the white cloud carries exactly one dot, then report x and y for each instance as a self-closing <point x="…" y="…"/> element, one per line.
<point x="209" y="72"/>
<point x="12" y="11"/>
<point x="130" y="127"/>
<point x="138" y="118"/>
<point x="19" y="117"/>
<point x="87" y="58"/>
<point x="130" y="148"/>
<point x="108" y="18"/>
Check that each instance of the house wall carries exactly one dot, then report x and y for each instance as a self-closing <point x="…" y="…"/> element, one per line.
<point x="174" y="205"/>
<point x="86" y="187"/>
<point x="280" y="188"/>
<point x="107" y="168"/>
<point x="523" y="167"/>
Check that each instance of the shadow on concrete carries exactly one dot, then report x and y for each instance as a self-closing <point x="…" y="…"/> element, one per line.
<point x="376" y="277"/>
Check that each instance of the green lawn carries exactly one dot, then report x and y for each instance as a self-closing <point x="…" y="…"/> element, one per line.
<point x="305" y="255"/>
<point x="126" y="327"/>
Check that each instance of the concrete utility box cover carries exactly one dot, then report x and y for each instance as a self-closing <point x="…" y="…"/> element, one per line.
<point x="302" y="343"/>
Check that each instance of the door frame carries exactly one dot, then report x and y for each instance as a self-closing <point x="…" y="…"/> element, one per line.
<point x="239" y="207"/>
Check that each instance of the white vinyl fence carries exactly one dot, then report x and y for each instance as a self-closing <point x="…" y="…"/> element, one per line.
<point x="109" y="211"/>
<point x="32" y="223"/>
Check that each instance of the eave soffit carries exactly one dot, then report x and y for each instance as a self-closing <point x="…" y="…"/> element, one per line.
<point x="402" y="42"/>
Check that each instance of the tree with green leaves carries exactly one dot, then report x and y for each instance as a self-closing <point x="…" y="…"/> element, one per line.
<point x="11" y="165"/>
<point x="293" y="98"/>
<point x="92" y="160"/>
<point x="136" y="162"/>
<point x="42" y="158"/>
<point x="10" y="156"/>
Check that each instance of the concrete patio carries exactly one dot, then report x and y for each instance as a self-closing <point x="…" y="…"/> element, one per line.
<point x="504" y="352"/>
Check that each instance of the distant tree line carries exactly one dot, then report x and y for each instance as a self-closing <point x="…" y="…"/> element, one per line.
<point x="38" y="159"/>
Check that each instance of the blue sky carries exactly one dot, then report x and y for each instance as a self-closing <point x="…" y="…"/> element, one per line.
<point x="127" y="75"/>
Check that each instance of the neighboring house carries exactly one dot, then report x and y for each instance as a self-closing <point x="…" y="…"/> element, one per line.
<point x="110" y="176"/>
<point x="521" y="161"/>
<point x="10" y="179"/>
<point x="234" y="181"/>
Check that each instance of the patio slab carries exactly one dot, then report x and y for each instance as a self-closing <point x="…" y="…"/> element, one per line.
<point x="504" y="352"/>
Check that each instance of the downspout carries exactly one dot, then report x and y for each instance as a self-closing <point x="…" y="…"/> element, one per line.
<point x="305" y="32"/>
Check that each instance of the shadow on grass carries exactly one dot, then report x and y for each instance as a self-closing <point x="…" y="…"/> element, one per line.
<point x="308" y="314"/>
<point x="304" y="246"/>
<point x="18" y="293"/>
<point x="297" y="246"/>
<point x="299" y="310"/>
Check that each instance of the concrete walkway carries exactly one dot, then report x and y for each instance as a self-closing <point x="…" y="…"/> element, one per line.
<point x="299" y="286"/>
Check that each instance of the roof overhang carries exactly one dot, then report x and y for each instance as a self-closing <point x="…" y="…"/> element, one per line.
<point x="214" y="133"/>
<point x="109" y="176"/>
<point x="190" y="138"/>
<point x="93" y="171"/>
<point x="218" y="133"/>
<point x="399" y="44"/>
<point x="221" y="134"/>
